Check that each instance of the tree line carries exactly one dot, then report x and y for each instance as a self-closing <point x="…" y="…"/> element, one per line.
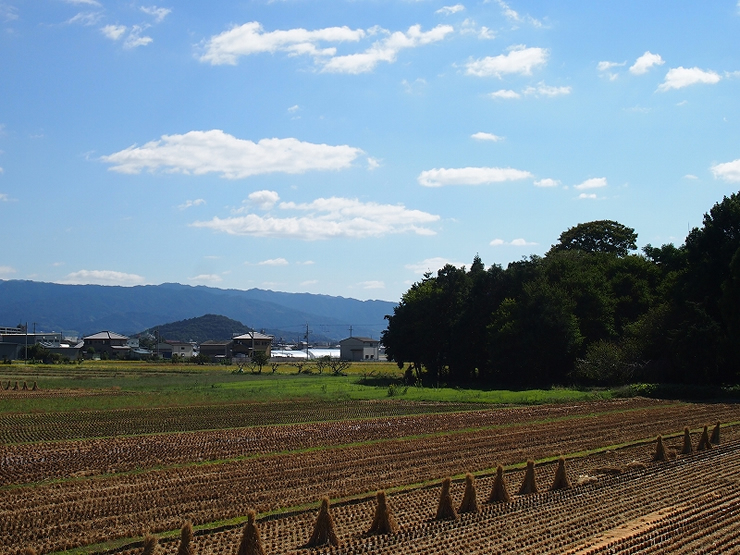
<point x="591" y="311"/>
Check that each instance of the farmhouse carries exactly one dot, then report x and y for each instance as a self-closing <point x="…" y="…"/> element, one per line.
<point x="248" y="343"/>
<point x="359" y="348"/>
<point x="168" y="348"/>
<point x="216" y="350"/>
<point x="112" y="343"/>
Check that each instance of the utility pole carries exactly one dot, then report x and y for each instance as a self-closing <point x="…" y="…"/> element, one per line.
<point x="350" y="331"/>
<point x="25" y="361"/>
<point x="306" y="336"/>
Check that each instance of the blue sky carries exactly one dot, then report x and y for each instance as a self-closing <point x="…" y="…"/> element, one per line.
<point x="346" y="147"/>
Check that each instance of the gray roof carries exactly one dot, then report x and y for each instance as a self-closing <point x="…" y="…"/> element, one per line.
<point x="106" y="335"/>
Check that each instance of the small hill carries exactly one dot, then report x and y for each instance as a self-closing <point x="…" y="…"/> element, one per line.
<point x="202" y="328"/>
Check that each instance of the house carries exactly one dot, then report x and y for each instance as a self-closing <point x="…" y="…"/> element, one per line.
<point x="13" y="341"/>
<point x="250" y="342"/>
<point x="216" y="350"/>
<point x="356" y="349"/>
<point x="114" y="344"/>
<point x="168" y="348"/>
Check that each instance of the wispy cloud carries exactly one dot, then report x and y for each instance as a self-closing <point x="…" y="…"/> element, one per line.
<point x="545" y="90"/>
<point x="206" y="278"/>
<point x="202" y="152"/>
<point x="505" y="94"/>
<point x="680" y="77"/>
<point x="449" y="10"/>
<point x="643" y="64"/>
<point x="386" y="50"/>
<point x="727" y="171"/>
<point x="83" y="2"/>
<point x="327" y="218"/>
<point x="593" y="183"/>
<point x="85" y="18"/>
<point x="520" y="59"/>
<point x="7" y="270"/>
<point x="135" y="37"/>
<point x="547" y="182"/>
<point x="190" y="203"/>
<point x="605" y="68"/>
<point x="250" y="38"/>
<point x="483" y="136"/>
<point x="113" y="32"/>
<point x="432" y="265"/>
<point x="102" y="277"/>
<point x="591" y="196"/>
<point x="372" y="284"/>
<point x="514" y="17"/>
<point x="513" y="243"/>
<point x="469" y="176"/>
<point x="273" y="262"/>
<point x="8" y="13"/>
<point x="157" y="13"/>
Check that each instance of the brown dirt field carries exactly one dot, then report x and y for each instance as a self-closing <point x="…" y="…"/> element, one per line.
<point x="91" y="510"/>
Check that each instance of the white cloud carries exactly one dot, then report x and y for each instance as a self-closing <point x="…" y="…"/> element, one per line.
<point x="593" y="183"/>
<point x="134" y="38"/>
<point x="505" y="94"/>
<point x="7" y="270"/>
<point x="386" y="50"/>
<point x="432" y="265"/>
<point x="273" y="262"/>
<point x="727" y="171"/>
<point x="373" y="163"/>
<point x="545" y="90"/>
<point x="306" y="263"/>
<point x="520" y="59"/>
<point x="680" y="77"/>
<point x="514" y="16"/>
<point x="114" y="32"/>
<point x="547" y="182"/>
<point x="85" y="18"/>
<point x="4" y="197"/>
<point x="2" y="171"/>
<point x="83" y="2"/>
<point x="8" y="13"/>
<point x="102" y="277"/>
<point x="483" y="136"/>
<point x="309" y="282"/>
<point x="606" y="66"/>
<point x="372" y="284"/>
<point x="202" y="152"/>
<point x="415" y="87"/>
<point x="264" y="200"/>
<point x="449" y="10"/>
<point x="294" y="108"/>
<point x="206" y="278"/>
<point x="690" y="176"/>
<point x="643" y="64"/>
<point x="247" y="39"/>
<point x="587" y="196"/>
<point x="327" y="218"/>
<point x="469" y="176"/>
<point x="190" y="203"/>
<point x="514" y="243"/>
<point x="157" y="13"/>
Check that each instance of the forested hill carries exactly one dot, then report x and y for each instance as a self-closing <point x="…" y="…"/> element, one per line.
<point x="202" y="328"/>
<point x="91" y="308"/>
<point x="590" y="311"/>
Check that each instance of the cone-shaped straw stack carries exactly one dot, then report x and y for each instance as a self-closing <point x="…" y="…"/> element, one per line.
<point x="186" y="535"/>
<point x="714" y="440"/>
<point x="499" y="492"/>
<point x="561" y="476"/>
<point x="383" y="523"/>
<point x="704" y="440"/>
<point x="687" y="447"/>
<point x="660" y="452"/>
<point x="528" y="484"/>
<point x="150" y="545"/>
<point x="445" y="509"/>
<point x="323" y="531"/>
<point x="470" y="502"/>
<point x="251" y="542"/>
<point x="28" y="551"/>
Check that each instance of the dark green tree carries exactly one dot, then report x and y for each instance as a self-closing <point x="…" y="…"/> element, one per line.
<point x="601" y="236"/>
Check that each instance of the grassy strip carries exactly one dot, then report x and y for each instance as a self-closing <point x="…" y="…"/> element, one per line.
<point x="318" y="448"/>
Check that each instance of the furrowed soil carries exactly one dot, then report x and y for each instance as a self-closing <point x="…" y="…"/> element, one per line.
<point x="112" y="483"/>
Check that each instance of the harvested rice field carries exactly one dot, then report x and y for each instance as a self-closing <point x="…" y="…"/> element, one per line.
<point x="99" y="481"/>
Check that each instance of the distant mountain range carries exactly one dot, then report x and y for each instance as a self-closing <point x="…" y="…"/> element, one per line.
<point x="86" y="309"/>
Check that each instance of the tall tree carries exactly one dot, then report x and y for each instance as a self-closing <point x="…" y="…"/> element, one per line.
<point x="604" y="236"/>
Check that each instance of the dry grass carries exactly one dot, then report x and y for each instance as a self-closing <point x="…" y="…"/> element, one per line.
<point x="150" y="545"/>
<point x="445" y="508"/>
<point x="186" y="536"/>
<point x="704" y="440"/>
<point x="251" y="543"/>
<point x="714" y="440"/>
<point x="660" y="451"/>
<point x="470" y="498"/>
<point x="323" y="531"/>
<point x="499" y="493"/>
<point x="561" y="477"/>
<point x="687" y="447"/>
<point x="383" y="523"/>
<point x="529" y="484"/>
